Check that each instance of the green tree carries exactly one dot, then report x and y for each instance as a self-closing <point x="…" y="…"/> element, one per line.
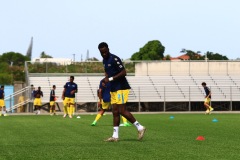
<point x="167" y="57"/>
<point x="12" y="58"/>
<point x="6" y="79"/>
<point x="12" y="67"/>
<point x="153" y="50"/>
<point x="192" y="55"/>
<point x="44" y="55"/>
<point x="197" y="56"/>
<point x="4" y="67"/>
<point x="215" y="56"/>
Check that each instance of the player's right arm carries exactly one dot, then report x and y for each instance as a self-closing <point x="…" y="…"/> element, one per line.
<point x="100" y="97"/>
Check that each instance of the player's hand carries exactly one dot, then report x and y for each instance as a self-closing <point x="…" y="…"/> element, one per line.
<point x="72" y="92"/>
<point x="63" y="97"/>
<point x="99" y="104"/>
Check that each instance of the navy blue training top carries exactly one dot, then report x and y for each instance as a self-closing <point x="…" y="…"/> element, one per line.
<point x="106" y="97"/>
<point x="51" y="95"/>
<point x="112" y="66"/>
<point x="1" y="94"/>
<point x="70" y="86"/>
<point x="207" y="91"/>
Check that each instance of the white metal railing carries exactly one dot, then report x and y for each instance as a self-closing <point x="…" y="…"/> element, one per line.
<point x="21" y="91"/>
<point x="18" y="105"/>
<point x="13" y="99"/>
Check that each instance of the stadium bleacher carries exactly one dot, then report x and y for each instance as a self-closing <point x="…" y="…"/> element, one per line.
<point x="148" y="88"/>
<point x="160" y="83"/>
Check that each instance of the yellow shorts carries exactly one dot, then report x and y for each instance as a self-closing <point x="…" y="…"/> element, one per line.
<point x="119" y="97"/>
<point x="68" y="100"/>
<point x="52" y="103"/>
<point x="105" y="105"/>
<point x="2" y="103"/>
<point x="37" y="102"/>
<point x="207" y="100"/>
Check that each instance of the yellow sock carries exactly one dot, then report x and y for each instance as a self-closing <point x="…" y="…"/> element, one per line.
<point x="98" y="117"/>
<point x="124" y="119"/>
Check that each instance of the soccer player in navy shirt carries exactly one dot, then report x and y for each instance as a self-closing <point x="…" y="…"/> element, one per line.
<point x="53" y="98"/>
<point x="37" y="101"/>
<point x="207" y="99"/>
<point x="104" y="102"/>
<point x="2" y="103"/>
<point x="116" y="76"/>
<point x="68" y="95"/>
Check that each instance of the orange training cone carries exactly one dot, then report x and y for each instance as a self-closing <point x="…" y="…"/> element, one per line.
<point x="200" y="138"/>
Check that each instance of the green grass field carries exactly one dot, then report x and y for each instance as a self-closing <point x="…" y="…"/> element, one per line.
<point x="53" y="137"/>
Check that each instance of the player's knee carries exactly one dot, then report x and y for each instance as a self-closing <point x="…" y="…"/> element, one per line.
<point x="115" y="113"/>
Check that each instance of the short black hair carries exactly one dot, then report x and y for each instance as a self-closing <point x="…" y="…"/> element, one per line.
<point x="102" y="45"/>
<point x="203" y="83"/>
<point x="2" y="86"/>
<point x="54" y="86"/>
<point x="72" y="77"/>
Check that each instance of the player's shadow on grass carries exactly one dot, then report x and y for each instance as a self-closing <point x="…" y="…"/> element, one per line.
<point x="130" y="140"/>
<point x="99" y="125"/>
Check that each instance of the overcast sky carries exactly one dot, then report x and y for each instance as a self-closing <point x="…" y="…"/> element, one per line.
<point x="62" y="28"/>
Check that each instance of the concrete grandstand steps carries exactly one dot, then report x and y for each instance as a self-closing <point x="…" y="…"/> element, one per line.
<point x="149" y="88"/>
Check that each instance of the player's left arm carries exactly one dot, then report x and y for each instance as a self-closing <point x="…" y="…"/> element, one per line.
<point x="74" y="90"/>
<point x="209" y="93"/>
<point x="119" y="66"/>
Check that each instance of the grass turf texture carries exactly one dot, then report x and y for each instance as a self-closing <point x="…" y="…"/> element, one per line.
<point x="53" y="137"/>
